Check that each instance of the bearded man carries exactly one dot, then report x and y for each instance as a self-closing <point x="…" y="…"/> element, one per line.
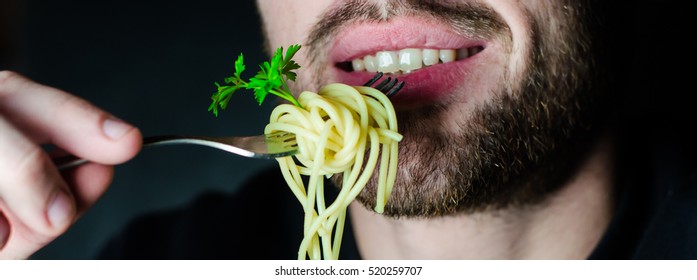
<point x="510" y="146"/>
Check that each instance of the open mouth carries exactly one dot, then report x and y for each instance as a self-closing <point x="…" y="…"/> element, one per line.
<point x="430" y="57"/>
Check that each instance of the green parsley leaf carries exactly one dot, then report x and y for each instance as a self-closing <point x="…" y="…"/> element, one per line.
<point x="271" y="79"/>
<point x="239" y="66"/>
<point x="288" y="64"/>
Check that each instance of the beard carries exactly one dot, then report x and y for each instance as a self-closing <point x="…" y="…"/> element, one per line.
<point x="513" y="150"/>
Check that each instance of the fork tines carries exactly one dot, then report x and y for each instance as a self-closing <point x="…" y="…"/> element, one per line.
<point x="282" y="137"/>
<point x="388" y="86"/>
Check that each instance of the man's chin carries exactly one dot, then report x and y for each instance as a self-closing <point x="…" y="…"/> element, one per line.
<point x="429" y="163"/>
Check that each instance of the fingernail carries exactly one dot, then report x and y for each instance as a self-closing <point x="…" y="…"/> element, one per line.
<point x="60" y="210"/>
<point x="4" y="231"/>
<point x="114" y="128"/>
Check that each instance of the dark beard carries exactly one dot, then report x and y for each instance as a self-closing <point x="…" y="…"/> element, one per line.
<point x="516" y="149"/>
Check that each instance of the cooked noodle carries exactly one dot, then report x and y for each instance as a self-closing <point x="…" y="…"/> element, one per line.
<point x="334" y="130"/>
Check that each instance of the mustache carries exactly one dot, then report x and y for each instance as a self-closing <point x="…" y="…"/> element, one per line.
<point x="474" y="20"/>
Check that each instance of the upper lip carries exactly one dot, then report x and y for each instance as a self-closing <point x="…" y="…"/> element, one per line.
<point x="368" y="38"/>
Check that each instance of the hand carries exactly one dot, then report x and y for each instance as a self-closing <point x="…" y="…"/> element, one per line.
<point x="37" y="202"/>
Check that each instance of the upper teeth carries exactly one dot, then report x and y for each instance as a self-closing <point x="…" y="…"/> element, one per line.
<point x="410" y="59"/>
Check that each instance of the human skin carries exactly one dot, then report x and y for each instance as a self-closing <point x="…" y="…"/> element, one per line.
<point x="38" y="202"/>
<point x="526" y="195"/>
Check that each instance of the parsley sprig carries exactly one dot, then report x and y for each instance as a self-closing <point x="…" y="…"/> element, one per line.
<point x="272" y="78"/>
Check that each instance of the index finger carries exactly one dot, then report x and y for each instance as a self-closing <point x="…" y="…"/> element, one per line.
<point x="49" y="115"/>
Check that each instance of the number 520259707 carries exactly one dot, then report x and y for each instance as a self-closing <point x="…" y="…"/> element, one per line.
<point x="394" y="270"/>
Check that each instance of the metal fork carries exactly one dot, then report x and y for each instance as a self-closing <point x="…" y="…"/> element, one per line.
<point x="265" y="146"/>
<point x="388" y="86"/>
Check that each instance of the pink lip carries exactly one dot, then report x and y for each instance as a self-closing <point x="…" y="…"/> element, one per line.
<point x="427" y="85"/>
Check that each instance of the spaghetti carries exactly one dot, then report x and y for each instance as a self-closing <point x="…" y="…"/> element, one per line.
<point x="340" y="130"/>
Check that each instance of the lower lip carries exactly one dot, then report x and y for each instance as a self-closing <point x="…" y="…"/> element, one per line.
<point x="426" y="86"/>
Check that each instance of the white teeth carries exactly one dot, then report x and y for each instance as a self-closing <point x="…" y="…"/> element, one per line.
<point x="447" y="56"/>
<point x="388" y="61"/>
<point x="370" y="63"/>
<point x="430" y="57"/>
<point x="410" y="59"/>
<point x="358" y="65"/>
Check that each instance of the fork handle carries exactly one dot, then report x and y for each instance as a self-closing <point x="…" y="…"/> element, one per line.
<point x="71" y="161"/>
<point x="68" y="161"/>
